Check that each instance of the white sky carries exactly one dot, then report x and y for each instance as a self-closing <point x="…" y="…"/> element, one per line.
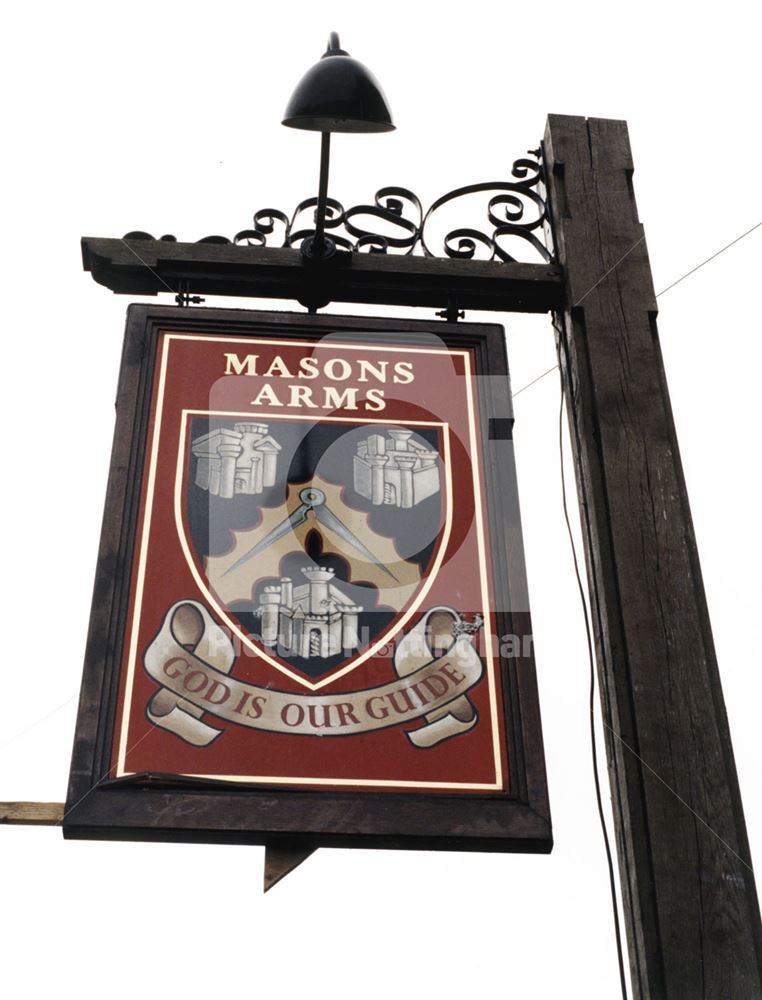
<point x="165" y="116"/>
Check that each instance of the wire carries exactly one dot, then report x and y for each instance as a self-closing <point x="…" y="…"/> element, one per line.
<point x="38" y="722"/>
<point x="696" y="268"/>
<point x="607" y="273"/>
<point x="518" y="391"/>
<point x="593" y="741"/>
<point x="134" y="252"/>
<point x="658" y="294"/>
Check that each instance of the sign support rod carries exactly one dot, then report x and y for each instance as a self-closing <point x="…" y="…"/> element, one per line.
<point x="281" y="857"/>
<point x="689" y="896"/>
<point x="31" y="813"/>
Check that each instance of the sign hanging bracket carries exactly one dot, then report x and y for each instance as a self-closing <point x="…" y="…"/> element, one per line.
<point x="184" y="298"/>
<point x="452" y="314"/>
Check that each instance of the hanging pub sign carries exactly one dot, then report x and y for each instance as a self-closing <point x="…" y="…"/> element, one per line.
<point x="310" y="617"/>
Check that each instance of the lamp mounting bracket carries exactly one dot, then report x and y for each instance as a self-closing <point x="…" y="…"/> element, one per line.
<point x="484" y="246"/>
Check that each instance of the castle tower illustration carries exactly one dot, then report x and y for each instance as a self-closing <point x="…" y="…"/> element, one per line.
<point x="395" y="469"/>
<point x="315" y="619"/>
<point x="241" y="459"/>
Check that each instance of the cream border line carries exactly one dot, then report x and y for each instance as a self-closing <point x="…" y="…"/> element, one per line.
<point x="137" y="606"/>
<point x="340" y="345"/>
<point x="476" y="460"/>
<point x="222" y="613"/>
<point x="145" y="532"/>
<point x="351" y="782"/>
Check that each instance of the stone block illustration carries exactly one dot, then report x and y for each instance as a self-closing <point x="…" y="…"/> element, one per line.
<point x="241" y="459"/>
<point x="395" y="469"/>
<point x="314" y="619"/>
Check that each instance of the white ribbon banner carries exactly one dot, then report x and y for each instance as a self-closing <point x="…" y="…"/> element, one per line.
<point x="191" y="658"/>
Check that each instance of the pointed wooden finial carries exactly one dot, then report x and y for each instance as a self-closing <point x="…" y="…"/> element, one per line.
<point x="281" y="857"/>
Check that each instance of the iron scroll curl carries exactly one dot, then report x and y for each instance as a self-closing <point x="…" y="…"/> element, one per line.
<point x="396" y="223"/>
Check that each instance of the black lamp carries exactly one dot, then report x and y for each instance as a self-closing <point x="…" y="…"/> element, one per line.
<point x="338" y="94"/>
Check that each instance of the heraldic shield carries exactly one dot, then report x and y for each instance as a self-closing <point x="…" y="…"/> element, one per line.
<point x="315" y="541"/>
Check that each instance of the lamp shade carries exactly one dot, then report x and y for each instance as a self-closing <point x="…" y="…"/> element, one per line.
<point x="338" y="94"/>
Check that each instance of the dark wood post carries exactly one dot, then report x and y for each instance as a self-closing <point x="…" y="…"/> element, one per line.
<point x="690" y="902"/>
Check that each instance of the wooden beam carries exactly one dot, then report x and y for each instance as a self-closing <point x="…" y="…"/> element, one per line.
<point x="146" y="267"/>
<point x="689" y="895"/>
<point x="31" y="813"/>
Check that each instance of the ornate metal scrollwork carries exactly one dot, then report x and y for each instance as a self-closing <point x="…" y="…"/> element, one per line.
<point x="396" y="222"/>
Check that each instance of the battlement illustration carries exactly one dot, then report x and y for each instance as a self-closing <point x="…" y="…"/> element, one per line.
<point x="231" y="461"/>
<point x="313" y="619"/>
<point x="395" y="469"/>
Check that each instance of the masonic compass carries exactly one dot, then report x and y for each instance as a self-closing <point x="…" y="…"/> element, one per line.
<point x="313" y="501"/>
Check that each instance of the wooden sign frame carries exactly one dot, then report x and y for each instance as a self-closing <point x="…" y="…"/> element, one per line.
<point x="159" y="806"/>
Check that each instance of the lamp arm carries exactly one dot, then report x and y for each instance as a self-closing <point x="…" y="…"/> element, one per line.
<point x="325" y="155"/>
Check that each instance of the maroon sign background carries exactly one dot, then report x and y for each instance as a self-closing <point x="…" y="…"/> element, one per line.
<point x="201" y="697"/>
